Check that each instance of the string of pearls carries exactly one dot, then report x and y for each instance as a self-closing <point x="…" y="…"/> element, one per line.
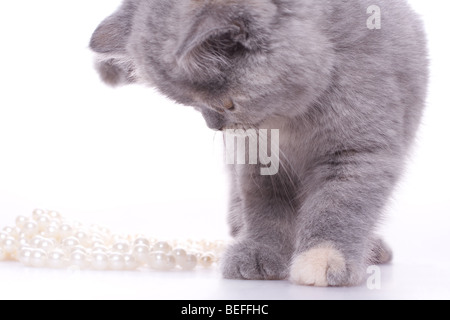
<point x="47" y="240"/>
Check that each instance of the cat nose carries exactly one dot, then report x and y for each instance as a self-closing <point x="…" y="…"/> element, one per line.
<point x="214" y="120"/>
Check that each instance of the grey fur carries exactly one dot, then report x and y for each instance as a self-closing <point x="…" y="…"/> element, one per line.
<point x="347" y="101"/>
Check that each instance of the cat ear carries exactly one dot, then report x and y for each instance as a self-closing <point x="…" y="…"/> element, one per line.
<point x="210" y="44"/>
<point x="109" y="41"/>
<point x="111" y="36"/>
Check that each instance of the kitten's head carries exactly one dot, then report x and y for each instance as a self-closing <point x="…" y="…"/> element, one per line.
<point x="238" y="62"/>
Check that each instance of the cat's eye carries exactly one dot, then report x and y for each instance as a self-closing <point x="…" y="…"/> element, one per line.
<point x="229" y="105"/>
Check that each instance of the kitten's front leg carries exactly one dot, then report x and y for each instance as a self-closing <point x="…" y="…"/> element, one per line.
<point x="338" y="217"/>
<point x="265" y="241"/>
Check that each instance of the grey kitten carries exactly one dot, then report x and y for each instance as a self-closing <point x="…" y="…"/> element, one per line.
<point x="347" y="100"/>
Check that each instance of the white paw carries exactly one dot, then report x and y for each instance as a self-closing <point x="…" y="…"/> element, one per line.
<point x="315" y="266"/>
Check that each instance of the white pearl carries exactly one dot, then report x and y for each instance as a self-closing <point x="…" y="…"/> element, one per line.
<point x="97" y="243"/>
<point x="54" y="215"/>
<point x="3" y="236"/>
<point x="25" y="255"/>
<point x="161" y="261"/>
<point x="121" y="247"/>
<point x="30" y="228"/>
<point x="141" y="241"/>
<point x="207" y="245"/>
<point x="38" y="213"/>
<point x="65" y="230"/>
<point x="190" y="263"/>
<point x="57" y="259"/>
<point x="180" y="256"/>
<point x="47" y="244"/>
<point x="79" y="259"/>
<point x="70" y="242"/>
<point x="170" y="262"/>
<point x="83" y="237"/>
<point x="141" y="253"/>
<point x="20" y="221"/>
<point x="23" y="235"/>
<point x="130" y="262"/>
<point x="100" y="261"/>
<point x="12" y="231"/>
<point x="10" y="245"/>
<point x="38" y="258"/>
<point x="97" y="248"/>
<point x="207" y="260"/>
<point x="42" y="222"/>
<point x="36" y="241"/>
<point x="116" y="261"/>
<point x="162" y="246"/>
<point x="157" y="261"/>
<point x="52" y="231"/>
<point x="24" y="242"/>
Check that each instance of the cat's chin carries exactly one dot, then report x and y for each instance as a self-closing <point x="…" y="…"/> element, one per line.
<point x="236" y="126"/>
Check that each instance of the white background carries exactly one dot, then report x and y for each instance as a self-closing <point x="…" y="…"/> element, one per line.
<point x="132" y="160"/>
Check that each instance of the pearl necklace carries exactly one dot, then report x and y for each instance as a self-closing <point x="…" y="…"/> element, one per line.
<point x="47" y="240"/>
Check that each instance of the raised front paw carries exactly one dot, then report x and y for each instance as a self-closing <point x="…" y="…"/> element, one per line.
<point x="251" y="260"/>
<point x="323" y="266"/>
